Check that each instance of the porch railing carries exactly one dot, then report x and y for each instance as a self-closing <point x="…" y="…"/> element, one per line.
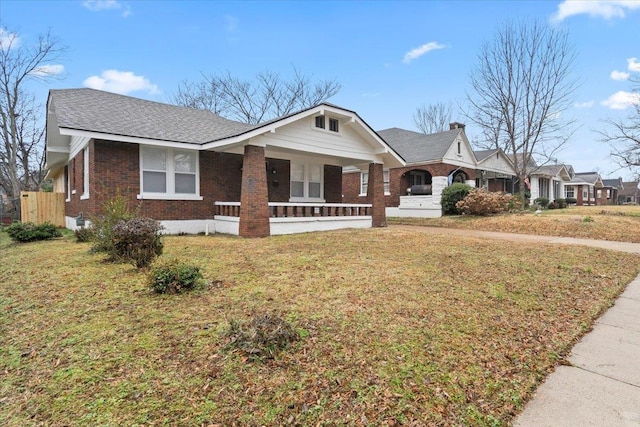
<point x="300" y="210"/>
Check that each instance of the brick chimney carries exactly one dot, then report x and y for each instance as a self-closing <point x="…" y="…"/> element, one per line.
<point x="456" y="125"/>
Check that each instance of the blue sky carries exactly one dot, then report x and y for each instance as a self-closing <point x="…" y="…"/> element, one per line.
<point x="390" y="57"/>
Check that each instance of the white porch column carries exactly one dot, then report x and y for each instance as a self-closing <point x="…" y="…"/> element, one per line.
<point x="438" y="183"/>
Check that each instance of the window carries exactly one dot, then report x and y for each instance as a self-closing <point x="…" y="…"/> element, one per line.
<point x="169" y="173"/>
<point x="569" y="192"/>
<point x="307" y="181"/>
<point x="333" y="125"/>
<point x="585" y="193"/>
<point x="67" y="183"/>
<point x="85" y="174"/>
<point x="459" y="147"/>
<point x="320" y="122"/>
<point x="543" y="187"/>
<point x="364" y="182"/>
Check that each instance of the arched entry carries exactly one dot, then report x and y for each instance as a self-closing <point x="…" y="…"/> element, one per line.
<point x="413" y="178"/>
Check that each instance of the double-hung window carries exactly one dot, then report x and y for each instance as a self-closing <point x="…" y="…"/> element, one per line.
<point x="169" y="173"/>
<point x="307" y="182"/>
<point x="85" y="174"/>
<point x="569" y="192"/>
<point x="364" y="182"/>
<point x="320" y="122"/>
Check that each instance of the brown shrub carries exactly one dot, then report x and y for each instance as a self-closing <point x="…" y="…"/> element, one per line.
<point x="482" y="202"/>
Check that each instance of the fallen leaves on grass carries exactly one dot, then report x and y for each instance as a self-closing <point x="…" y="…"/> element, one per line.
<point x="401" y="328"/>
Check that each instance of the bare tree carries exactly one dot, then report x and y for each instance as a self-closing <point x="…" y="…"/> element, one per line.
<point x="433" y="118"/>
<point x="521" y="85"/>
<point x="268" y="96"/>
<point x="21" y="124"/>
<point x="624" y="135"/>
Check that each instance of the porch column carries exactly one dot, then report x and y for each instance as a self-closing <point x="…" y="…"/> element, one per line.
<point x="375" y="195"/>
<point x="254" y="198"/>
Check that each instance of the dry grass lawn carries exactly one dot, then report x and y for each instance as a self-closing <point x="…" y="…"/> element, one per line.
<point x="397" y="328"/>
<point x="615" y="223"/>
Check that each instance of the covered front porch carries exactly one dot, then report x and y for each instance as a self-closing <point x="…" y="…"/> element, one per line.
<point x="291" y="175"/>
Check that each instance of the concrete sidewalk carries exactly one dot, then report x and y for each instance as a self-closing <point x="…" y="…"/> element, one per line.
<point x="601" y="385"/>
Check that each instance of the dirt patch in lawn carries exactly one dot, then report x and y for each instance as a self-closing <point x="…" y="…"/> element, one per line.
<point x="395" y="328"/>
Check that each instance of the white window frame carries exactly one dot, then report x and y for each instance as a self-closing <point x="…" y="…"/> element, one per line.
<point x="170" y="194"/>
<point x="585" y="193"/>
<point x="307" y="172"/>
<point x="85" y="173"/>
<point x="326" y="124"/>
<point x="364" y="178"/>
<point x="332" y="121"/>
<point x="67" y="172"/>
<point x="567" y="189"/>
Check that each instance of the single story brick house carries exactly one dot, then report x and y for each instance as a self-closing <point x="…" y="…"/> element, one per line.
<point x="608" y="194"/>
<point x="583" y="187"/>
<point x="433" y="162"/>
<point x="195" y="171"/>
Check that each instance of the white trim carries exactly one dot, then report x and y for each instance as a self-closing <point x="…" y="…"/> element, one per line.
<point x="85" y="173"/>
<point x="131" y="139"/>
<point x="170" y="174"/>
<point x="163" y="196"/>
<point x="307" y="164"/>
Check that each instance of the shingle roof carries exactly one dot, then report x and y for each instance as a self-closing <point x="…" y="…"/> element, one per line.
<point x="105" y="112"/>
<point x="629" y="189"/>
<point x="416" y="147"/>
<point x="588" y="177"/>
<point x="483" y="154"/>
<point x="614" y="183"/>
<point x="551" y="170"/>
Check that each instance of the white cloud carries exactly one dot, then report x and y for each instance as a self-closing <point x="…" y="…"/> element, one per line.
<point x="47" y="70"/>
<point x="634" y="65"/>
<point x="621" y="100"/>
<point x="619" y="75"/>
<point x="586" y="104"/>
<point x="8" y="40"/>
<point x="122" y="82"/>
<point x="99" y="5"/>
<point x="606" y="9"/>
<point x="419" y="51"/>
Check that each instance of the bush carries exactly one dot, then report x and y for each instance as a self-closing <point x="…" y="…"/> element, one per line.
<point x="29" y="232"/>
<point x="137" y="241"/>
<point x="543" y="202"/>
<point x="114" y="210"/>
<point x="553" y="205"/>
<point x="562" y="203"/>
<point x="262" y="338"/>
<point x="571" y="200"/>
<point x="482" y="202"/>
<point x="173" y="277"/>
<point x="83" y="235"/>
<point x="452" y="195"/>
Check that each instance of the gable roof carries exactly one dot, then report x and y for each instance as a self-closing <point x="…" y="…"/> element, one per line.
<point x="629" y="189"/>
<point x="484" y="154"/>
<point x="613" y="183"/>
<point x="592" y="178"/>
<point x="416" y="147"/>
<point x="109" y="113"/>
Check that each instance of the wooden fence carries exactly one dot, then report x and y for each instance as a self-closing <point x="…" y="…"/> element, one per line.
<point x="39" y="207"/>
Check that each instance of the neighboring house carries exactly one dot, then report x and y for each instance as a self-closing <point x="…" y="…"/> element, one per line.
<point x="549" y="181"/>
<point x="433" y="162"/>
<point x="583" y="187"/>
<point x="495" y="171"/>
<point x="608" y="194"/>
<point x="629" y="194"/>
<point x="195" y="171"/>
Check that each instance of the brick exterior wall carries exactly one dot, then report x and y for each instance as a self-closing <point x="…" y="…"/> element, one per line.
<point x="375" y="195"/>
<point x="254" y="211"/>
<point x="398" y="182"/>
<point x="115" y="166"/>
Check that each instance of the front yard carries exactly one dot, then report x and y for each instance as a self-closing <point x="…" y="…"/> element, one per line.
<point x="398" y="328"/>
<point x="615" y="223"/>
